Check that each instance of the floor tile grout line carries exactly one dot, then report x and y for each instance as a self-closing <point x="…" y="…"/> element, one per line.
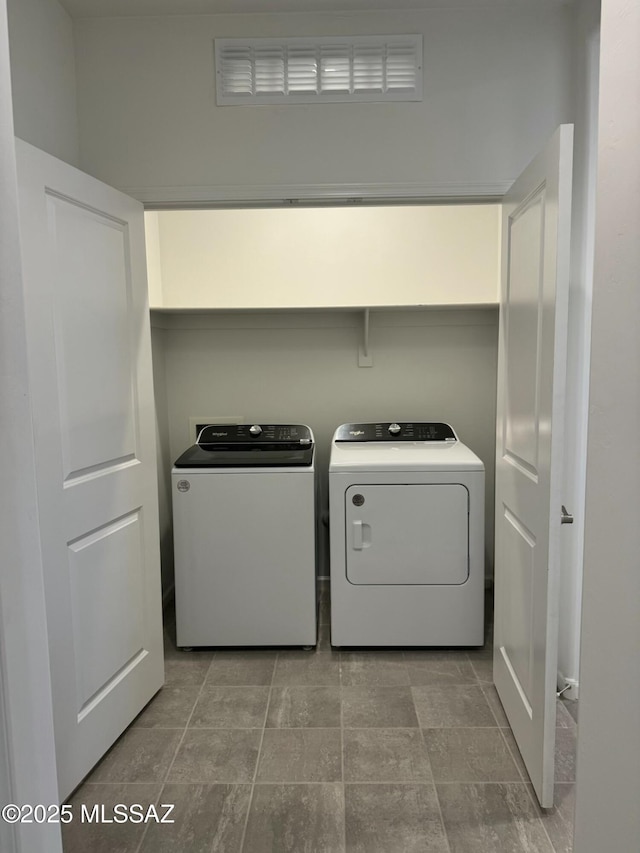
<point x="286" y="729"/>
<point x="513" y="757"/>
<point x="258" y="756"/>
<point x="344" y="786"/>
<point x="490" y="728"/>
<point x="148" y="824"/>
<point x="479" y="782"/>
<point x="120" y="784"/>
<point x="495" y="716"/>
<point x="526" y="786"/>
<point x="448" y="728"/>
<point x="534" y="799"/>
<point x="186" y="727"/>
<point x="222" y="729"/>
<point x="316" y="728"/>
<point x="164" y="780"/>
<point x="186" y="783"/>
<point x="537" y="807"/>
<point x="433" y="781"/>
<point x="413" y="728"/>
<point x="267" y="783"/>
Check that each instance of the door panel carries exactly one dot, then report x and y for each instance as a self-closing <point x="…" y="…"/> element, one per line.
<point x="407" y="534"/>
<point x="523" y="297"/>
<point x="107" y="603"/>
<point x="93" y="325"/>
<point x="90" y="374"/>
<point x="531" y="386"/>
<point x="519" y="555"/>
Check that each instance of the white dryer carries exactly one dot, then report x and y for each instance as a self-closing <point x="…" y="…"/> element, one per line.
<point x="406" y="506"/>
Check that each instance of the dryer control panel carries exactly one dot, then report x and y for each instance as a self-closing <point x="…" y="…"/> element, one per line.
<point x="400" y="431"/>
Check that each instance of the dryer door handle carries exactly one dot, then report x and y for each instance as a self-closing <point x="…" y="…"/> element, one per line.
<point x="361" y="533"/>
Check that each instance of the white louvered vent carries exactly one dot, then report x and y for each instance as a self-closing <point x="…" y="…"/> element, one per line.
<point x="306" y="70"/>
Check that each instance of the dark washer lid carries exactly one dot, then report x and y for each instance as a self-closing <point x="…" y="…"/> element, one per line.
<point x="249" y="446"/>
<point x="392" y="431"/>
<point x="196" y="457"/>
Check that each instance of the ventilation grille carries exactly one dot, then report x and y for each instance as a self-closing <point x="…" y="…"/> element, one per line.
<point x="364" y="68"/>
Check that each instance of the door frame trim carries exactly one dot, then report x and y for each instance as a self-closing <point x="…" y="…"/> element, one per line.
<point x="27" y="755"/>
<point x="286" y="195"/>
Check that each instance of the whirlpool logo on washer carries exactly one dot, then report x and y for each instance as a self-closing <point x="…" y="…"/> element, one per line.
<point x="183" y="485"/>
<point x="356" y="432"/>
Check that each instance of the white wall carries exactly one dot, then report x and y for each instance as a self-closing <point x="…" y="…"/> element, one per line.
<point x="325" y="257"/>
<point x="288" y="367"/>
<point x="154" y="260"/>
<point x="496" y="87"/>
<point x="302" y="367"/>
<point x="608" y="763"/>
<point x="43" y="77"/>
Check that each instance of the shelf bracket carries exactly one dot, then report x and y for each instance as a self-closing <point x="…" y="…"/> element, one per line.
<point x="365" y="359"/>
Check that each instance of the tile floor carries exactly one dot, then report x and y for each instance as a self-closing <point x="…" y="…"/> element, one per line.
<point x="323" y="752"/>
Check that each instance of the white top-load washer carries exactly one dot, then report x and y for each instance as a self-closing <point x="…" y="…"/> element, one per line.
<point x="245" y="537"/>
<point x="406" y="507"/>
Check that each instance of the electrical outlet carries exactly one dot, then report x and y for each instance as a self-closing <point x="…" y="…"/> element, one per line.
<point x="196" y="422"/>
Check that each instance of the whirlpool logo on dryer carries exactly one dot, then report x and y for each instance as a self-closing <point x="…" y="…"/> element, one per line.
<point x="356" y="432"/>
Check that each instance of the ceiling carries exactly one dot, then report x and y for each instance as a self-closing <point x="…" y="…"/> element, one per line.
<point x="118" y="8"/>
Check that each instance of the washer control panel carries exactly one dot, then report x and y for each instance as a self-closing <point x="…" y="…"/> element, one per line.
<point x="400" y="431"/>
<point x="256" y="434"/>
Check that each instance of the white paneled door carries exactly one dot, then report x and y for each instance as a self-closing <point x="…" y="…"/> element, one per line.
<point x="91" y="381"/>
<point x="531" y="388"/>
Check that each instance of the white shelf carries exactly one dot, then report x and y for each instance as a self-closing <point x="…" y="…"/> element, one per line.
<point x="368" y="319"/>
<point x="288" y="309"/>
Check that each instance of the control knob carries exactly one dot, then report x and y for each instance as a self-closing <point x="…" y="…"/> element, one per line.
<point x="394" y="429"/>
<point x="256" y="429"/>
